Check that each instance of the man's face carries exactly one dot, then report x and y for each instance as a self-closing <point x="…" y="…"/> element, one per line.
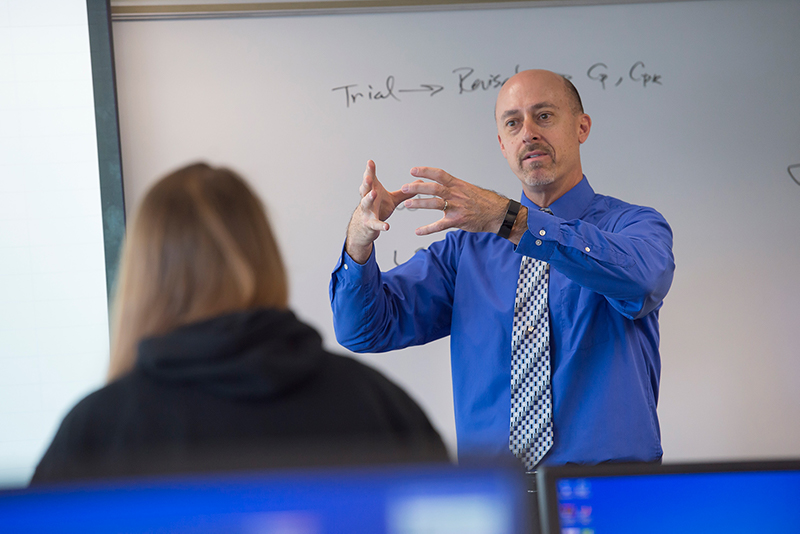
<point x="539" y="132"/>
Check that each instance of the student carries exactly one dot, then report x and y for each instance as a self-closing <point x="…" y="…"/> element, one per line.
<point x="208" y="363"/>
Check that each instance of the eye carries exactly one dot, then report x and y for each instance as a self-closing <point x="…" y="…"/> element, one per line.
<point x="545" y="116"/>
<point x="510" y="123"/>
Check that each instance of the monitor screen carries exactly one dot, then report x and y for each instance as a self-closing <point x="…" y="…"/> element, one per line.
<point x="692" y="498"/>
<point x="392" y="500"/>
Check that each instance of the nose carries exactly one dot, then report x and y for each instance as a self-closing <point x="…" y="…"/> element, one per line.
<point x="529" y="131"/>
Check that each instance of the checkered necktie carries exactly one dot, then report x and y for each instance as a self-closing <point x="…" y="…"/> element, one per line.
<point x="531" y="429"/>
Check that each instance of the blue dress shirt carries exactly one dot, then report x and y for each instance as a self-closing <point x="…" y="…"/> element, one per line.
<point x="611" y="265"/>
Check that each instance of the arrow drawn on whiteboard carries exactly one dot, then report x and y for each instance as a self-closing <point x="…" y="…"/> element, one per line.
<point x="471" y="81"/>
<point x="794" y="172"/>
<point x="433" y="88"/>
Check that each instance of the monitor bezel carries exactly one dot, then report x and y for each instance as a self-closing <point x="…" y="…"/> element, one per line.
<point x="548" y="476"/>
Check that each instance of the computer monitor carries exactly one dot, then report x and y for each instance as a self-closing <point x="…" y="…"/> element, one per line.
<point x="738" y="497"/>
<point x="403" y="499"/>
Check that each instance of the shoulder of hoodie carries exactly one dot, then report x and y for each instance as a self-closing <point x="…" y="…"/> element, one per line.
<point x="357" y="373"/>
<point x="84" y="427"/>
<point x="102" y="406"/>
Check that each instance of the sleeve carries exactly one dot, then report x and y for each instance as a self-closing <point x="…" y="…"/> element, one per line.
<point x="630" y="263"/>
<point x="409" y="305"/>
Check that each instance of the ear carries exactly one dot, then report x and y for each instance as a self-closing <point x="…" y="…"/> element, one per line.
<point x="584" y="126"/>
<point x="502" y="146"/>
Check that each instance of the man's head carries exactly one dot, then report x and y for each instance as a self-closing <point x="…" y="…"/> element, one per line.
<point x="540" y="126"/>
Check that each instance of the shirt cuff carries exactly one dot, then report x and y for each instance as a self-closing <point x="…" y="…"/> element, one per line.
<point x="350" y="272"/>
<point x="539" y="241"/>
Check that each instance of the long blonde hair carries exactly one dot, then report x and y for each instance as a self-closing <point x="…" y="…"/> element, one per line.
<point x="200" y="245"/>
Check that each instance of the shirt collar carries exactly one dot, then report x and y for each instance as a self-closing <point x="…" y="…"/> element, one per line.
<point x="571" y="205"/>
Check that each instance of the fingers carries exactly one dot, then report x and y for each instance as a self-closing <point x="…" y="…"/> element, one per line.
<point x="442" y="185"/>
<point x="376" y="225"/>
<point x="432" y="173"/>
<point x="370" y="217"/>
<point x="435" y="188"/>
<point x="368" y="201"/>
<point x="418" y="187"/>
<point x="370" y="170"/>
<point x="442" y="224"/>
<point x="428" y="204"/>
<point x="369" y="179"/>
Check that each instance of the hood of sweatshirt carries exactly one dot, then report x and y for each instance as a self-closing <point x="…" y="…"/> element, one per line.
<point x="250" y="354"/>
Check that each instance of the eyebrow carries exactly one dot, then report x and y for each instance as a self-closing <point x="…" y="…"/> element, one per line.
<point x="535" y="107"/>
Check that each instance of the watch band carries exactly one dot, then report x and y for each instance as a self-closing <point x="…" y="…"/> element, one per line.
<point x="508" y="222"/>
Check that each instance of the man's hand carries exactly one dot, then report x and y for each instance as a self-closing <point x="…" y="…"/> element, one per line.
<point x="465" y="206"/>
<point x="369" y="219"/>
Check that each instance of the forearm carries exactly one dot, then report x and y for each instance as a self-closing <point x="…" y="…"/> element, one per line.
<point x="357" y="245"/>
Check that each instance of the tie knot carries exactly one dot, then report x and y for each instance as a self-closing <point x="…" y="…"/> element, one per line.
<point x="546" y="210"/>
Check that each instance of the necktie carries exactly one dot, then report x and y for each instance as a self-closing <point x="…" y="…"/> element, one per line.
<point x="531" y="429"/>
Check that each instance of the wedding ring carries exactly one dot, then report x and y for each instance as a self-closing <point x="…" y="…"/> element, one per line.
<point x="445" y="206"/>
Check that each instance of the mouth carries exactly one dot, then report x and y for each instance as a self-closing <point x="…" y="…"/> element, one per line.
<point x="534" y="156"/>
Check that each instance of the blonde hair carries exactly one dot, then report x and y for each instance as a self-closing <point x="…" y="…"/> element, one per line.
<point x="200" y="245"/>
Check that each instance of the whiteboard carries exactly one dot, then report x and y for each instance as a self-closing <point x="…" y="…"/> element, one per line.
<point x="698" y="116"/>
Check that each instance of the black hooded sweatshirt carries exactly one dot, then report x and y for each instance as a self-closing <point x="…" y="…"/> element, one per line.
<point x="244" y="390"/>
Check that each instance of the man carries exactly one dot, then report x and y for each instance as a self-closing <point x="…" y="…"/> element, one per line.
<point x="600" y="269"/>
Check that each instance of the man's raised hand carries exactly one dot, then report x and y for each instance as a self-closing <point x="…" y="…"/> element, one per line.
<point x="465" y="206"/>
<point x="369" y="219"/>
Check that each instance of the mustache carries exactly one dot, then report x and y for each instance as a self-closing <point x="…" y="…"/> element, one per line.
<point x="536" y="147"/>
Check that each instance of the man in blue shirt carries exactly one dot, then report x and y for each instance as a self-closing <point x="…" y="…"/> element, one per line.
<point x="611" y="265"/>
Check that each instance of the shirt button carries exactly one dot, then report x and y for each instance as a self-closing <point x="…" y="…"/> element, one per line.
<point x="345" y="266"/>
<point x="542" y="232"/>
<point x="538" y="242"/>
<point x="587" y="249"/>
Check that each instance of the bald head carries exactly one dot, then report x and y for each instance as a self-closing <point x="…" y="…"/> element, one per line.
<point x="575" y="98"/>
<point x="538" y="77"/>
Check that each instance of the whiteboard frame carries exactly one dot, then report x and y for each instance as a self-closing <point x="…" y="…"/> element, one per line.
<point x="193" y="9"/>
<point x="109" y="150"/>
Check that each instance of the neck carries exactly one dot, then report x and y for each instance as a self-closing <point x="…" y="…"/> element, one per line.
<point x="544" y="195"/>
